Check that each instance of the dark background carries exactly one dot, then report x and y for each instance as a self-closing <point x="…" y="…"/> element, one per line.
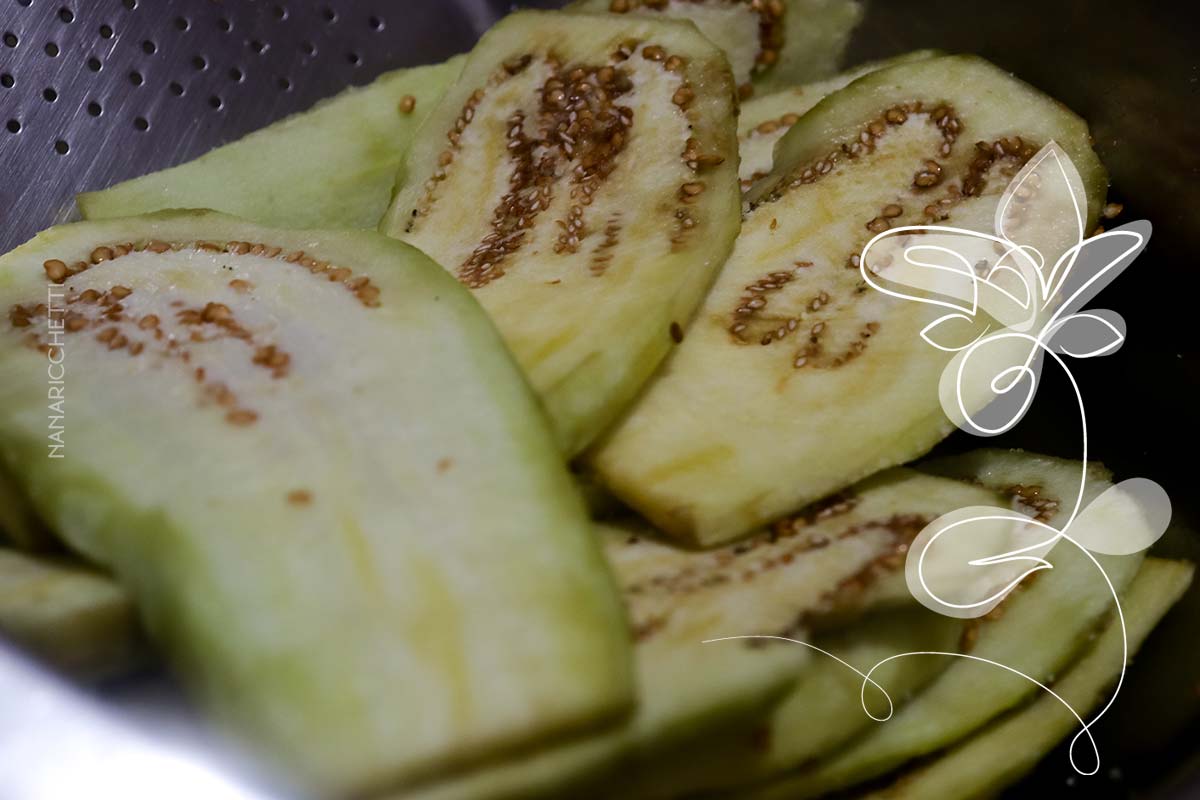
<point x="94" y="91"/>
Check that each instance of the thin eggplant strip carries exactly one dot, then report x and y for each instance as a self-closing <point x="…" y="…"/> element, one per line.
<point x="1009" y="748"/>
<point x="769" y="44"/>
<point x="581" y="180"/>
<point x="763" y="120"/>
<point x="332" y="166"/>
<point x="776" y="583"/>
<point x="1037" y="631"/>
<point x="76" y="620"/>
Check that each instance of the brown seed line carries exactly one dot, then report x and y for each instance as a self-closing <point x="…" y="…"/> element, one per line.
<point x="589" y="128"/>
<point x="903" y="529"/>
<point x="746" y="561"/>
<point x="58" y="272"/>
<point x="685" y="223"/>
<point x="1013" y="149"/>
<point x="942" y="116"/>
<point x="602" y="255"/>
<point x="717" y="566"/>
<point x="112" y="337"/>
<point x="241" y="417"/>
<point x="641" y="631"/>
<point x="771" y="13"/>
<point x="579" y="122"/>
<point x="217" y="315"/>
<point x="530" y="185"/>
<point x="695" y="159"/>
<point x="213" y="314"/>
<point x="778" y="125"/>
<point x="745" y="319"/>
<point x="1031" y="500"/>
<point x="510" y="68"/>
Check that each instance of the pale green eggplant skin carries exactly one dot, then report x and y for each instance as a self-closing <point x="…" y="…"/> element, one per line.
<point x="1039" y="630"/>
<point x="590" y="252"/>
<point x="805" y="38"/>
<point x="765" y="118"/>
<point x="819" y="713"/>
<point x="332" y="166"/>
<point x="793" y="365"/>
<point x="368" y="562"/>
<point x="19" y="526"/>
<point x="74" y="619"/>
<point x="1005" y="751"/>
<point x="815" y="36"/>
<point x="694" y="691"/>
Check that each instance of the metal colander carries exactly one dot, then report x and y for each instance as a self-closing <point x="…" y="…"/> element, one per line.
<point x="96" y="91"/>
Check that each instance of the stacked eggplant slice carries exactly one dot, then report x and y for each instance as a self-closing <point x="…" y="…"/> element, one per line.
<point x="334" y="478"/>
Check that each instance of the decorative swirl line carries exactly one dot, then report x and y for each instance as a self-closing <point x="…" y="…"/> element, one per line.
<point x="1018" y="313"/>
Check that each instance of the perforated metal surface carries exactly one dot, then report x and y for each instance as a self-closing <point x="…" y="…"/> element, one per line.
<point x="96" y="91"/>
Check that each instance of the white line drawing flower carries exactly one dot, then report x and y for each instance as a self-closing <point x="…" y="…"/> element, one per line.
<point x="1028" y="310"/>
<point x="966" y="562"/>
<point x="1007" y="311"/>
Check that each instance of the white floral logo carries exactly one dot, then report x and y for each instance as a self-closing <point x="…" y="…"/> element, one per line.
<point x="1008" y="310"/>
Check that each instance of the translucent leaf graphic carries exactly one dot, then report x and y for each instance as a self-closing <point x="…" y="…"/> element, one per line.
<point x="952" y="332"/>
<point x="1094" y="264"/>
<point x="1125" y="519"/>
<point x="958" y="269"/>
<point x="1044" y="208"/>
<point x="1098" y="332"/>
<point x="988" y="386"/>
<point x="964" y="563"/>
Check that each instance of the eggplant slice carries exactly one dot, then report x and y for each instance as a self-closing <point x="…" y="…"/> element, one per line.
<point x="332" y="166"/>
<point x="769" y="43"/>
<point x="1038" y="630"/>
<point x="764" y="120"/>
<point x="77" y="620"/>
<point x="1005" y="751"/>
<point x="581" y="179"/>
<point x="775" y="583"/>
<point x="794" y="367"/>
<point x="288" y="446"/>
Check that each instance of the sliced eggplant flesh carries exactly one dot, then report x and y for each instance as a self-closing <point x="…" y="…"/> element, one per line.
<point x="332" y="166"/>
<point x="74" y="619"/>
<point x="285" y="444"/>
<point x="19" y="525"/>
<point x="775" y="583"/>
<point x="1043" y="487"/>
<point x="822" y="711"/>
<point x="775" y="43"/>
<point x="1036" y="631"/>
<point x="1006" y="750"/>
<point x="794" y="366"/>
<point x="581" y="179"/>
<point x="859" y="536"/>
<point x="764" y="119"/>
